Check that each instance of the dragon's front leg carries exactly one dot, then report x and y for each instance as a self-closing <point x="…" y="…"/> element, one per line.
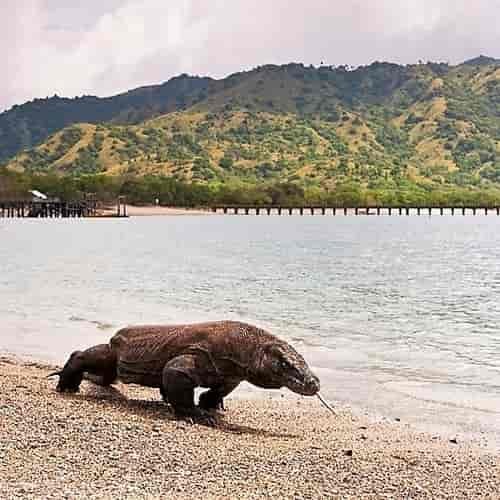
<point x="180" y="378"/>
<point x="213" y="399"/>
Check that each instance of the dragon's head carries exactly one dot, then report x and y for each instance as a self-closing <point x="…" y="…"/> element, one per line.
<point x="280" y="365"/>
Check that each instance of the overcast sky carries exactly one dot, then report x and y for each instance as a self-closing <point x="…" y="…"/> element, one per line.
<point x="103" y="47"/>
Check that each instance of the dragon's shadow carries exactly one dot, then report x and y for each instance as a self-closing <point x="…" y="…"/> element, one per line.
<point x="159" y="410"/>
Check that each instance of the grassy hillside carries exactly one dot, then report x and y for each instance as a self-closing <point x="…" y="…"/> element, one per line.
<point x="427" y="124"/>
<point x="25" y="126"/>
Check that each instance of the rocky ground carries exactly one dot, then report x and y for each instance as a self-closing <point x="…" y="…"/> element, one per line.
<point x="125" y="443"/>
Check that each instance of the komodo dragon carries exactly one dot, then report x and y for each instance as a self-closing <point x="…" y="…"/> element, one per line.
<point x="178" y="358"/>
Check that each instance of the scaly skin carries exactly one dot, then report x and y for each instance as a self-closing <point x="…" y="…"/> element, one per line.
<point x="178" y="358"/>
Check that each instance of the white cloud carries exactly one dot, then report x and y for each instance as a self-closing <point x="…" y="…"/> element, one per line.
<point x="103" y="47"/>
<point x="43" y="59"/>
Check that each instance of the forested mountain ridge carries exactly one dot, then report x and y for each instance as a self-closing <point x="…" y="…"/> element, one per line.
<point x="27" y="125"/>
<point x="428" y="123"/>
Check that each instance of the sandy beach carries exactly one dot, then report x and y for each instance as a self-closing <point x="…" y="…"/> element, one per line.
<point x="125" y="443"/>
<point x="140" y="211"/>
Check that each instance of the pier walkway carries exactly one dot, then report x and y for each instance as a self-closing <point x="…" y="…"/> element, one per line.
<point x="380" y="210"/>
<point x="57" y="209"/>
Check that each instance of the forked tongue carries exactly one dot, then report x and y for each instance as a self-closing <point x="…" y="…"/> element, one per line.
<point x="325" y="402"/>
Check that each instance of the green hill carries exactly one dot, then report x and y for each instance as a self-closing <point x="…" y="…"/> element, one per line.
<point x="429" y="124"/>
<point x="29" y="124"/>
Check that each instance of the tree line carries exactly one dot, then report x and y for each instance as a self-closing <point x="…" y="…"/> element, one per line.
<point x="172" y="192"/>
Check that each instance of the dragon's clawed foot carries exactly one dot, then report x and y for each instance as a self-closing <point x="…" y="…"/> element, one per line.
<point x="198" y="416"/>
<point x="208" y="401"/>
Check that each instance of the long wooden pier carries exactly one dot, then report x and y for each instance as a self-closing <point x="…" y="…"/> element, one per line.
<point x="48" y="209"/>
<point x="372" y="210"/>
<point x="57" y="209"/>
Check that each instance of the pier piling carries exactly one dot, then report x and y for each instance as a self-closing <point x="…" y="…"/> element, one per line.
<point x="7" y="210"/>
<point x="55" y="209"/>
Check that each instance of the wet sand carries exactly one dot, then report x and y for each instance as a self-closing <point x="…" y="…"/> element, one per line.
<point x="125" y="443"/>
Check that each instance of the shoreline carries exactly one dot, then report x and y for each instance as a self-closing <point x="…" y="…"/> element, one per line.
<point x="124" y="443"/>
<point x="155" y="210"/>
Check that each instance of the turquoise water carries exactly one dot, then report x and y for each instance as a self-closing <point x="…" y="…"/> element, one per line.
<point x="398" y="315"/>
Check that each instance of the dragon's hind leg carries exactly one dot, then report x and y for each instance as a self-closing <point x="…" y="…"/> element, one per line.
<point x="97" y="364"/>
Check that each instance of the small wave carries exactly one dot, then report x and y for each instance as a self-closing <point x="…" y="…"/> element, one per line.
<point x="435" y="401"/>
<point x="101" y="325"/>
